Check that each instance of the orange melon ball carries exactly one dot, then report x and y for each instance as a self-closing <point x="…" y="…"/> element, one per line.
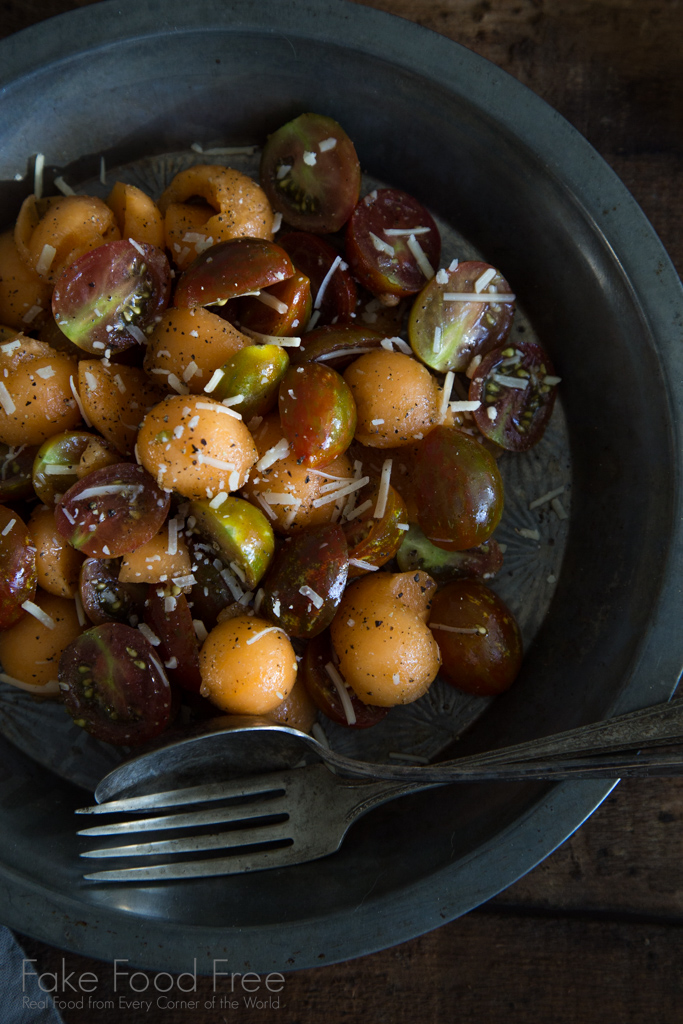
<point x="248" y="666"/>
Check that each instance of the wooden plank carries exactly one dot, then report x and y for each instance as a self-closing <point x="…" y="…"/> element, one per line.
<point x="483" y="968"/>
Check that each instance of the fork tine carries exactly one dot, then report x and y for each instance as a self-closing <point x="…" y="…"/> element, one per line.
<point x="211" y="816"/>
<point x="267" y="783"/>
<point x="216" y="841"/>
<point x="259" y="860"/>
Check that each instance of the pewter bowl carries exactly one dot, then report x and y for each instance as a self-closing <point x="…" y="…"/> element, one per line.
<point x="129" y="81"/>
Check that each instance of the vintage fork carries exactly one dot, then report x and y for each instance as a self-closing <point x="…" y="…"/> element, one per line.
<point x="299" y="814"/>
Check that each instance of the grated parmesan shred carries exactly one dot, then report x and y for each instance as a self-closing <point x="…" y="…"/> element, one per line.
<point x="383" y="492"/>
<point x="340" y="687"/>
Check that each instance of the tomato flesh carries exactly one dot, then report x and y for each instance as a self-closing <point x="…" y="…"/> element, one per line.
<point x="18" y="576"/>
<point x="16" y="469"/>
<point x="170" y="620"/>
<point x="113" y="685"/>
<point x="315" y="257"/>
<point x="373" y="539"/>
<point x="458" y="489"/>
<point x="516" y="386"/>
<point x="416" y="552"/>
<point x="317" y="412"/>
<point x="382" y="259"/>
<point x="447" y="333"/>
<point x="307" y="580"/>
<point x="311" y="174"/>
<point x="105" y="598"/>
<point x="112" y="511"/>
<point x="254" y="372"/>
<point x="229" y="269"/>
<point x="109" y="297"/>
<point x="336" y="345"/>
<point x="486" y="659"/>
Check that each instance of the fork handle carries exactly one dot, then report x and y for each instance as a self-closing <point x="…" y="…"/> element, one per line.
<point x="601" y="750"/>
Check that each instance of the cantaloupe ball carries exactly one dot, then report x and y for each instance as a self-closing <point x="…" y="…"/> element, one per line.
<point x="248" y="666"/>
<point x="396" y="397"/>
<point x="58" y="564"/>
<point x="30" y="651"/>
<point x="386" y="652"/>
<point x="193" y="445"/>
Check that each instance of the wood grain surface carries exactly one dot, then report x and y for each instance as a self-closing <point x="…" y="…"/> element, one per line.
<point x="594" y="934"/>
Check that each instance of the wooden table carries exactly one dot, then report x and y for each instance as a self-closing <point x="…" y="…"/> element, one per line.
<point x="593" y="934"/>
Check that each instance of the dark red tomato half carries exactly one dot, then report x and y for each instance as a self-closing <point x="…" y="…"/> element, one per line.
<point x="114" y="686"/>
<point x="484" y="656"/>
<point x="112" y="511"/>
<point x="463" y="312"/>
<point x="232" y="268"/>
<point x="336" y="345"/>
<point x="170" y="620"/>
<point x="311" y="174"/>
<point x="314" y="257"/>
<point x="392" y="244"/>
<point x="109" y="297"/>
<point x="306" y="582"/>
<point x="105" y="598"/>
<point x="18" y="577"/>
<point x="324" y="693"/>
<point x="516" y="386"/>
<point x="458" y="490"/>
<point x="317" y="412"/>
<point x="16" y="468"/>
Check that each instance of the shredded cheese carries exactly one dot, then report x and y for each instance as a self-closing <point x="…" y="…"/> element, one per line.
<point x="545" y="498"/>
<point x="219" y="408"/>
<point x="518" y="383"/>
<point x="477" y="297"/>
<point x="485" y="279"/>
<point x="8" y="528"/>
<point x="383" y="492"/>
<point x="79" y="403"/>
<point x="50" y="689"/>
<point x="6" y="400"/>
<point x="270" y="300"/>
<point x="38" y="169"/>
<point x="340" y="687"/>
<point x="315" y="598"/>
<point x="326" y="280"/>
<point x="269" y="629"/>
<point x="215" y="380"/>
<point x="39" y="614"/>
<point x="355" y="485"/>
<point x="420" y="256"/>
<point x="360" y="564"/>
<point x="274" y="454"/>
<point x="380" y="245"/>
<point x="149" y="635"/>
<point x="45" y="259"/>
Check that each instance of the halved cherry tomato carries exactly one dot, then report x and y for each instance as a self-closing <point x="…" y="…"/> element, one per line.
<point x="232" y="268"/>
<point x="315" y="257"/>
<point x="108" y="298"/>
<point x="105" y="598"/>
<point x="336" y="345"/>
<point x="18" y="576"/>
<point x="16" y="469"/>
<point x="317" y="412"/>
<point x="114" y="686"/>
<point x="447" y="332"/>
<point x="283" y="310"/>
<point x="306" y="582"/>
<point x="255" y="373"/>
<point x="310" y="173"/>
<point x="481" y="649"/>
<point x="386" y="230"/>
<point x="373" y="539"/>
<point x="112" y="511"/>
<point x="239" y="533"/>
<point x="458" y="489"/>
<point x="416" y="552"/>
<point x="516" y="386"/>
<point x="170" y="620"/>
<point x="55" y="468"/>
<point x="324" y="693"/>
<point x="211" y="593"/>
